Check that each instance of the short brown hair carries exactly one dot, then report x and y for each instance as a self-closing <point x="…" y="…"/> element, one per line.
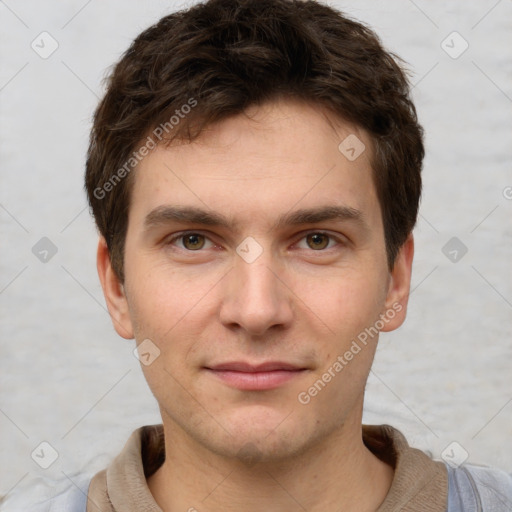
<point x="220" y="57"/>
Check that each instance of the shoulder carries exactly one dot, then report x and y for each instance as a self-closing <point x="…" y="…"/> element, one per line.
<point x="69" y="497"/>
<point x="477" y="488"/>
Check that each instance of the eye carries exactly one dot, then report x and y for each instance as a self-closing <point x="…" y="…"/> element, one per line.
<point x="191" y="241"/>
<point x="317" y="241"/>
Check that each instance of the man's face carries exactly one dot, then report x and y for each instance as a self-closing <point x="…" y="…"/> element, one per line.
<point x="285" y="269"/>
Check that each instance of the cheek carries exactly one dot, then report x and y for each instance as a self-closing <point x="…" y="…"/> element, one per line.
<point x="175" y="310"/>
<point x="173" y="313"/>
<point x="346" y="301"/>
<point x="349" y="308"/>
<point x="160" y="295"/>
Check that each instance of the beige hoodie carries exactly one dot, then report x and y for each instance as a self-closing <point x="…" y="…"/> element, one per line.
<point x="419" y="483"/>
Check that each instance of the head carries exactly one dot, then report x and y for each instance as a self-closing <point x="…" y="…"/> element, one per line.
<point x="280" y="136"/>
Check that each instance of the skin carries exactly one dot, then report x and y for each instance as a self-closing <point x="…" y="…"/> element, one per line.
<point x="231" y="449"/>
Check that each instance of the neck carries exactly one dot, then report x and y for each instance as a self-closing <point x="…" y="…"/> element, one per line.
<point x="339" y="473"/>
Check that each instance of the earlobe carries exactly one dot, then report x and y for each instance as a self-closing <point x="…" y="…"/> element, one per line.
<point x="399" y="287"/>
<point x="114" y="293"/>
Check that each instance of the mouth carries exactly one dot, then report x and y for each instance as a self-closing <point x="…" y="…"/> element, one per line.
<point x="255" y="377"/>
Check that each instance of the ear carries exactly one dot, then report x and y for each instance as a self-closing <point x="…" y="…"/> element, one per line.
<point x="113" y="291"/>
<point x="399" y="287"/>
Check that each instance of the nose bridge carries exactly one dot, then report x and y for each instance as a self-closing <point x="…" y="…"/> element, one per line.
<point x="259" y="283"/>
<point x="255" y="299"/>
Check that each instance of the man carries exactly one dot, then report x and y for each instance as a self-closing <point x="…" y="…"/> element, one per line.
<point x="254" y="172"/>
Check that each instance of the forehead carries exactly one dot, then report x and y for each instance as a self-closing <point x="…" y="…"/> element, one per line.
<point x="260" y="164"/>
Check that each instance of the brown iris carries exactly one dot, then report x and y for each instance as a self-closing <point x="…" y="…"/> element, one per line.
<point x="317" y="241"/>
<point x="193" y="242"/>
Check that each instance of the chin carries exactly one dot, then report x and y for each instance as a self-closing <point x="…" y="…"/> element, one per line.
<point x="277" y="438"/>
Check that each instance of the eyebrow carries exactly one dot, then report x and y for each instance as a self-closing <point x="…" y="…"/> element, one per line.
<point x="322" y="214"/>
<point x="192" y="215"/>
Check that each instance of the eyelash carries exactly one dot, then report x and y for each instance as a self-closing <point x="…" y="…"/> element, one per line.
<point x="182" y="235"/>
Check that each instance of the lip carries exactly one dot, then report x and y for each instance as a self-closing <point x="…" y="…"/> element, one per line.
<point x="241" y="366"/>
<point x="255" y="377"/>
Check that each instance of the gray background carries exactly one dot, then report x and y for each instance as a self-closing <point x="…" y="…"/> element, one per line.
<point x="68" y="379"/>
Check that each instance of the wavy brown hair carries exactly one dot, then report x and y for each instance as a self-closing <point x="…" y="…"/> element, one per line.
<point x="228" y="55"/>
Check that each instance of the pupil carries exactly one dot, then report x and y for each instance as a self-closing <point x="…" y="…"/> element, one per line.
<point x="318" y="240"/>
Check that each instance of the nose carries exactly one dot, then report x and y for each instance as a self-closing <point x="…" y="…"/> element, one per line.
<point x="255" y="299"/>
